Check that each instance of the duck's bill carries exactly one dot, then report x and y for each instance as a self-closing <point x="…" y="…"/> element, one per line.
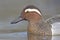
<point x="16" y="20"/>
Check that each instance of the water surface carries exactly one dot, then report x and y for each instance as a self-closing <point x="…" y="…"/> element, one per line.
<point x="20" y="36"/>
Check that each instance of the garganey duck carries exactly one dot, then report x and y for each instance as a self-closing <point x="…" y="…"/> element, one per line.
<point x="37" y="28"/>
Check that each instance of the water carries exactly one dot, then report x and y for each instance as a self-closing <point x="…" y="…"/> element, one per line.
<point x="20" y="36"/>
<point x="56" y="38"/>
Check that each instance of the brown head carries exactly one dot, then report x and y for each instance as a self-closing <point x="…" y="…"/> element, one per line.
<point x="29" y="13"/>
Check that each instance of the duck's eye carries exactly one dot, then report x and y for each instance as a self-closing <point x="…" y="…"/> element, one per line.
<point x="25" y="19"/>
<point x="27" y="12"/>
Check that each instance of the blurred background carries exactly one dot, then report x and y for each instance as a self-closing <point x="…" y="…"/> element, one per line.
<point x="11" y="9"/>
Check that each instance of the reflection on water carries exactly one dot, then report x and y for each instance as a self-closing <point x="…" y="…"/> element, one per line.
<point x="22" y="36"/>
<point x="40" y="37"/>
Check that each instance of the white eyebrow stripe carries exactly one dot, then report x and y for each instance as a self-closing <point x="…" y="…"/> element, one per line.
<point x="30" y="10"/>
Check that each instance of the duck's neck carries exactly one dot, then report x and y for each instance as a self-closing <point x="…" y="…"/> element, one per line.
<point x="33" y="25"/>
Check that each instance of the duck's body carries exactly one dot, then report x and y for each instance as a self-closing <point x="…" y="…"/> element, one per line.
<point x="37" y="28"/>
<point x="39" y="31"/>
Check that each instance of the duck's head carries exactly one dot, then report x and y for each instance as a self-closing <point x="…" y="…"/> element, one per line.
<point x="29" y="13"/>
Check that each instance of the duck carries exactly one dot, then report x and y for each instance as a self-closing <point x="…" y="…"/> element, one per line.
<point x="37" y="28"/>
